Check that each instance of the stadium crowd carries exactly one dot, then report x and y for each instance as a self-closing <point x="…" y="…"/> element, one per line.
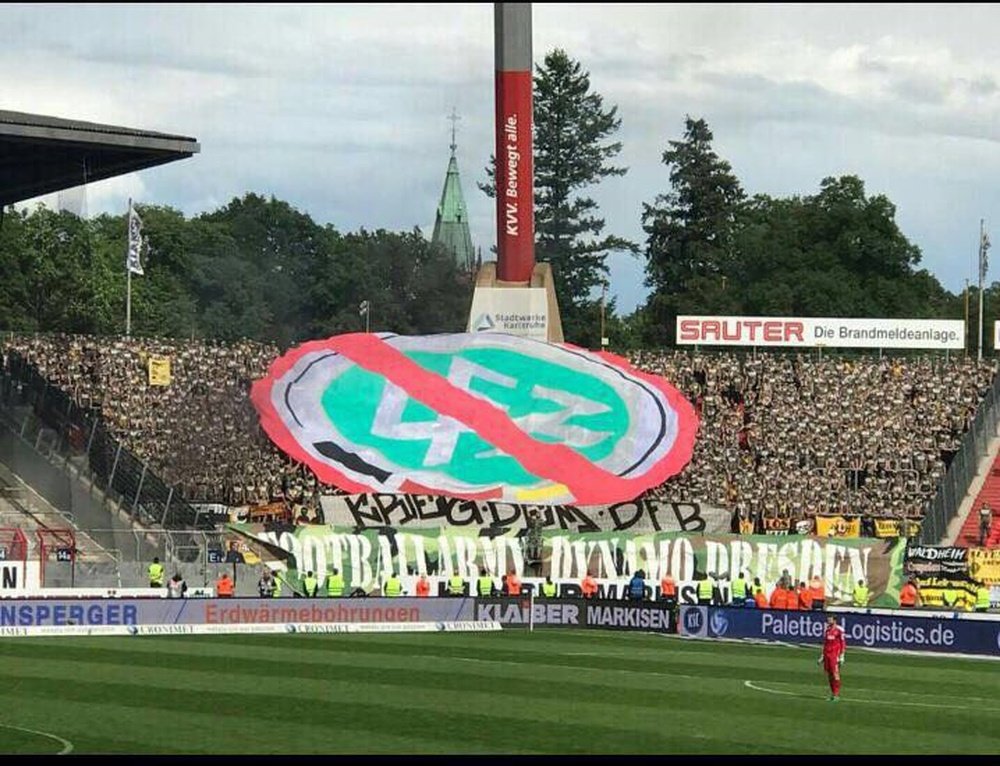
<point x="782" y="436"/>
<point x="793" y="436"/>
<point x="200" y="432"/>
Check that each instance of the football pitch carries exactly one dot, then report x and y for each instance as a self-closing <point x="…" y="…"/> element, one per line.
<point x="551" y="691"/>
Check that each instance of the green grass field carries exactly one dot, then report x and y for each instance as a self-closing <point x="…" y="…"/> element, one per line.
<point x="510" y="692"/>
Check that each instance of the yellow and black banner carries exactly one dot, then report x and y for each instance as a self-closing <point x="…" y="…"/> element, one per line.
<point x="159" y="370"/>
<point x="838" y="526"/>
<point x="984" y="565"/>
<point x="896" y="528"/>
<point x="946" y="592"/>
<point x="776" y="526"/>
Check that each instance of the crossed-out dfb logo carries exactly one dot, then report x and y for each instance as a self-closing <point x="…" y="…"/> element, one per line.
<point x="694" y="619"/>
<point x="719" y="624"/>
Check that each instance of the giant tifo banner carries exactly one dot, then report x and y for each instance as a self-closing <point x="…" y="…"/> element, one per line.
<point x="480" y="416"/>
<point x="872" y="631"/>
<point x="428" y="511"/>
<point x="366" y="558"/>
<point x="810" y="332"/>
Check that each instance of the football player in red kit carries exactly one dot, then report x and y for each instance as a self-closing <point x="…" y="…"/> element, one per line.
<point x="833" y="655"/>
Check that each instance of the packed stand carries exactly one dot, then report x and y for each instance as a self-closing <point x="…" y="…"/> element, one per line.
<point x="200" y="433"/>
<point x="793" y="437"/>
<point x="787" y="437"/>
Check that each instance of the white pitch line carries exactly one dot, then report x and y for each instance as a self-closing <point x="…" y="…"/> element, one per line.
<point x="67" y="745"/>
<point x="752" y="685"/>
<point x="564" y="667"/>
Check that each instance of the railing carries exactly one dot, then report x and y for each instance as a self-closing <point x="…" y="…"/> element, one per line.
<point x="184" y="551"/>
<point x="80" y="436"/>
<point x="956" y="482"/>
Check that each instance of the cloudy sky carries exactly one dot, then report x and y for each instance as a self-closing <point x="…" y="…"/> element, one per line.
<point x="342" y="109"/>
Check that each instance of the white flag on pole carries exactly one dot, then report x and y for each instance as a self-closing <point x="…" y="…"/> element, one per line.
<point x="984" y="245"/>
<point x="363" y="308"/>
<point x="133" y="260"/>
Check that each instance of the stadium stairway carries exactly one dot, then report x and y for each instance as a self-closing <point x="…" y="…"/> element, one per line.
<point x="985" y="488"/>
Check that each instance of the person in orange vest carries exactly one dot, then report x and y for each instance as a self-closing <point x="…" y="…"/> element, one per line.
<point x="779" y="598"/>
<point x="668" y="590"/>
<point x="791" y="596"/>
<point x="224" y="586"/>
<point x="805" y="597"/>
<point x="758" y="594"/>
<point x="423" y="587"/>
<point x="589" y="586"/>
<point x="817" y="589"/>
<point x="513" y="583"/>
<point x="909" y="595"/>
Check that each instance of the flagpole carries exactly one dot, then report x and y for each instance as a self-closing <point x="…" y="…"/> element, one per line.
<point x="967" y="313"/>
<point x="982" y="255"/>
<point x="128" y="274"/>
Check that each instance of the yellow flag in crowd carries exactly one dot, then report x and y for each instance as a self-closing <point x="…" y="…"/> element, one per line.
<point x="159" y="370"/>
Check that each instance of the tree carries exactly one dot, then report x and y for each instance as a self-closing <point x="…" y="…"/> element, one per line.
<point x="691" y="232"/>
<point x="572" y="151"/>
<point x="835" y="253"/>
<point x="270" y="248"/>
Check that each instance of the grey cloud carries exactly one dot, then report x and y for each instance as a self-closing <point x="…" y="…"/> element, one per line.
<point x="341" y="109"/>
<point x="981" y="86"/>
<point x="920" y="90"/>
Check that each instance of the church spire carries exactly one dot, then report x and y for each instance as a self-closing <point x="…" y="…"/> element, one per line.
<point x="451" y="227"/>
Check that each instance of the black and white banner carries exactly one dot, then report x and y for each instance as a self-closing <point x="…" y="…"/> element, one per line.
<point x="937" y="561"/>
<point x="426" y="511"/>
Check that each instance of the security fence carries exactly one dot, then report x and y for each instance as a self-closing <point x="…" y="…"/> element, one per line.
<point x="956" y="482"/>
<point x="48" y="418"/>
<point x="135" y="574"/>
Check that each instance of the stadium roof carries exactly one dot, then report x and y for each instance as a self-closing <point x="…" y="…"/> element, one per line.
<point x="40" y="155"/>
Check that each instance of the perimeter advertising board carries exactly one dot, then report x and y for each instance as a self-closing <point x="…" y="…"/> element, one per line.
<point x="812" y="332"/>
<point x="871" y="631"/>
<point x="230" y="611"/>
<point x="577" y="613"/>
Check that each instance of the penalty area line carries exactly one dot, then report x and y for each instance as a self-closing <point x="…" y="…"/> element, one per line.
<point x="755" y="687"/>
<point x="67" y="745"/>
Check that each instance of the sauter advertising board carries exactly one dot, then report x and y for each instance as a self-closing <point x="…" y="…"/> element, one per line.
<point x="808" y="332"/>
<point x="872" y="631"/>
